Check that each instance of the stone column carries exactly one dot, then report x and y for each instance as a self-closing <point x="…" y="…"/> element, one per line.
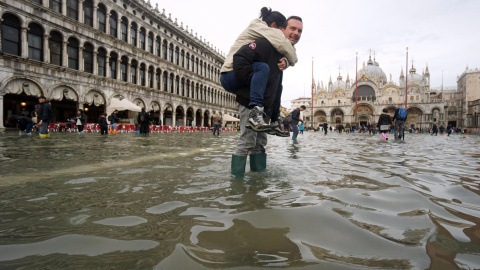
<point x="119" y="28"/>
<point x="64" y="8"/>
<point x="80" y="59"/>
<point x="1" y="112"/>
<point x="138" y="38"/>
<point x="129" y="35"/>
<point x="107" y="22"/>
<point x="119" y="74"/>
<point x="137" y="73"/>
<point x="81" y="19"/>
<point x="185" y="120"/>
<point x="95" y="15"/>
<point x="107" y="69"/>
<point x="129" y="77"/>
<point x="161" y="117"/>
<point x="95" y="64"/>
<point x="46" y="48"/>
<point x="174" y="117"/>
<point x="46" y="3"/>
<point x="154" y="79"/>
<point x="194" y="119"/>
<point x="24" y="42"/>
<point x="64" y="54"/>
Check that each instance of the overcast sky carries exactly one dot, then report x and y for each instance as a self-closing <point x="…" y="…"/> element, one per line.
<point x="440" y="33"/>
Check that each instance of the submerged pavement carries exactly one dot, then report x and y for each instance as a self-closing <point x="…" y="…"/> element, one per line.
<point x="168" y="201"/>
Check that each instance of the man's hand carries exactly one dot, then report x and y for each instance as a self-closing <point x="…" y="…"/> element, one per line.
<point x="282" y="65"/>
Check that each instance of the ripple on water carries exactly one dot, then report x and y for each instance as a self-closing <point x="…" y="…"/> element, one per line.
<point x="165" y="207"/>
<point x="122" y="221"/>
<point x="73" y="244"/>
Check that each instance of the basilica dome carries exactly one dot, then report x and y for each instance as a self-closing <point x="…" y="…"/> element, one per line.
<point x="339" y="84"/>
<point x="373" y="72"/>
<point x="414" y="78"/>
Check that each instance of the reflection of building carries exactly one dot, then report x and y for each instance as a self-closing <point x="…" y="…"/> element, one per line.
<point x="82" y="53"/>
<point x="335" y="103"/>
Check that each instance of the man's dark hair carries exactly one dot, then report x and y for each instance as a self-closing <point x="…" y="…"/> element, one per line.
<point x="303" y="107"/>
<point x="269" y="17"/>
<point x="294" y="18"/>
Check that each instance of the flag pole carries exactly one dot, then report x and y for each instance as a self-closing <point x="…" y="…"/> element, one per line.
<point x="406" y="82"/>
<point x="356" y="86"/>
<point x="313" y="82"/>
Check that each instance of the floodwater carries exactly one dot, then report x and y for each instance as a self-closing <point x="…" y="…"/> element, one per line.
<point x="168" y="201"/>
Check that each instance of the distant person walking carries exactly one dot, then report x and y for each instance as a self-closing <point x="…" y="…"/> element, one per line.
<point x="217" y="123"/>
<point x="295" y="120"/>
<point x="102" y="121"/>
<point x="399" y="118"/>
<point x="144" y="121"/>
<point x="434" y="129"/>
<point x="44" y="117"/>
<point x="80" y="120"/>
<point x="325" y="128"/>
<point x="384" y="123"/>
<point x="25" y="124"/>
<point x="113" y="118"/>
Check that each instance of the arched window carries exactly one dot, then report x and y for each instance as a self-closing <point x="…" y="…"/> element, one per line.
<point x="201" y="68"/>
<point x="72" y="51"/>
<point x="142" y="38"/>
<point x="164" y="49"/>
<point x="55" y="45"/>
<point x="35" y="42"/>
<point x="38" y="1"/>
<point x="188" y="61"/>
<point x="164" y="80"/>
<point x="170" y="52"/>
<point x="157" y="78"/>
<point x="150" y="42"/>
<point x="102" y="62"/>
<point x="176" y="56"/>
<point x="157" y="46"/>
<point x="88" y="58"/>
<point x="196" y="91"/>
<point x="102" y="18"/>
<point x="88" y="12"/>
<point x="170" y="82"/>
<point x="11" y="40"/>
<point x="124" y="29"/>
<point x="177" y="85"/>
<point x="56" y="5"/>
<point x="113" y="65"/>
<point x="133" y="34"/>
<point x="188" y="88"/>
<point x="133" y="71"/>
<point x="182" y="58"/>
<point x="150" y="77"/>
<point x="196" y="65"/>
<point x="72" y="9"/>
<point x="142" y="75"/>
<point x="123" y="68"/>
<point x="113" y="24"/>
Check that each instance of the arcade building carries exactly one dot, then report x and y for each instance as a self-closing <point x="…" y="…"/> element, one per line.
<point x="82" y="54"/>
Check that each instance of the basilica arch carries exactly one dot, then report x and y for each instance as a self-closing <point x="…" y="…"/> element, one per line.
<point x="337" y="116"/>
<point x="320" y="117"/>
<point x="415" y="118"/>
<point x="365" y="92"/>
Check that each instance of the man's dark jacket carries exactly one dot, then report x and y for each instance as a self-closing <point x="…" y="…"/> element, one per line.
<point x="259" y="51"/>
<point x="45" y="113"/>
<point x="295" y="116"/>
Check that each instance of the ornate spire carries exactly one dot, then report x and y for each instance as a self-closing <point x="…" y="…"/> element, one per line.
<point x="401" y="74"/>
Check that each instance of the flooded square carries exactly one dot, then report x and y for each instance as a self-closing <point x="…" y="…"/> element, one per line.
<point x="168" y="201"/>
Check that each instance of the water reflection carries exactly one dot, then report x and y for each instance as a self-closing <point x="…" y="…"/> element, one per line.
<point x="168" y="201"/>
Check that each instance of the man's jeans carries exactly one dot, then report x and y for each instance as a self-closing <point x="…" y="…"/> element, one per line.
<point x="295" y="131"/>
<point x="216" y="128"/>
<point x="399" y="125"/>
<point x="257" y="86"/>
<point x="43" y="129"/>
<point x="114" y="126"/>
<point x="249" y="142"/>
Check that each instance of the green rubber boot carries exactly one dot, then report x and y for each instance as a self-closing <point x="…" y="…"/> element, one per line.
<point x="258" y="162"/>
<point x="238" y="164"/>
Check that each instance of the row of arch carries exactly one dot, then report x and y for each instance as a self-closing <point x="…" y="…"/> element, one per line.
<point x="100" y="62"/>
<point x="129" y="33"/>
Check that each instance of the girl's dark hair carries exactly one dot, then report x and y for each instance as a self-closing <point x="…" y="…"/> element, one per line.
<point x="80" y="110"/>
<point x="269" y="16"/>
